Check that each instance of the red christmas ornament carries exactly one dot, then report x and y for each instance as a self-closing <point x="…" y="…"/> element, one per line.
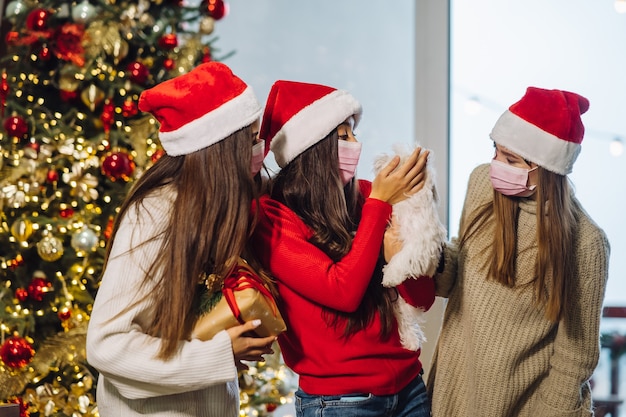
<point x="169" y="64"/>
<point x="38" y="19"/>
<point x="38" y="288"/>
<point x="12" y="37"/>
<point x="4" y="92"/>
<point x="138" y="72"/>
<point x="45" y="53"/>
<point x="15" y="263"/>
<point x="157" y="155"/>
<point x="4" y="85"/>
<point x="65" y="314"/>
<point x="16" y="126"/>
<point x="16" y="352"/>
<point x="217" y="9"/>
<point x="129" y="108"/>
<point x="168" y="41"/>
<point x="108" y="230"/>
<point x="206" y="56"/>
<point x="21" y="294"/>
<point x="108" y="115"/>
<point x="52" y="176"/>
<point x="118" y="166"/>
<point x="68" y="96"/>
<point x="68" y="43"/>
<point x="66" y="213"/>
<point x="270" y="407"/>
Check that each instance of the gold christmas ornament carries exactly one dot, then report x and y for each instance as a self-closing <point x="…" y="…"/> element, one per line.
<point x="50" y="248"/>
<point x="67" y="80"/>
<point x="83" y="183"/>
<point x="145" y="19"/>
<point x="101" y="38"/>
<point x="188" y="54"/>
<point x="92" y="96"/>
<point x="13" y="194"/>
<point x="207" y="25"/>
<point x="120" y="50"/>
<point x="21" y="229"/>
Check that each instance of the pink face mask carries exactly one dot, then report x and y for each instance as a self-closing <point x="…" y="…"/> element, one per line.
<point x="349" y="153"/>
<point x="258" y="155"/>
<point x="510" y="180"/>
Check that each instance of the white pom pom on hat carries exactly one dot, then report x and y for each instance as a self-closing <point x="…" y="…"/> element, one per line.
<point x="544" y="127"/>
<point x="200" y="108"/>
<point x="298" y="115"/>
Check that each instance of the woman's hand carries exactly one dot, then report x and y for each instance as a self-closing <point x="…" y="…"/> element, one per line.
<point x="395" y="183"/>
<point x="247" y="348"/>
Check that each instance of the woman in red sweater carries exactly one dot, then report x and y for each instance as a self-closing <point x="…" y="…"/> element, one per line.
<point x="320" y="233"/>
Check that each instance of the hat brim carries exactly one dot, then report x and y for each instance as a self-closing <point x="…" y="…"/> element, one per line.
<point x="312" y="124"/>
<point x="534" y="144"/>
<point x="214" y="126"/>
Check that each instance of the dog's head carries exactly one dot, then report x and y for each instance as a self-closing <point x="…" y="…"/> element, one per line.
<point x="404" y="151"/>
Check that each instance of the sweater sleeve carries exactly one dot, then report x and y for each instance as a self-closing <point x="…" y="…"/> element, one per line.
<point x="282" y="241"/>
<point x="479" y="192"/>
<point x="446" y="278"/>
<point x="418" y="291"/>
<point x="117" y="343"/>
<point x="565" y="391"/>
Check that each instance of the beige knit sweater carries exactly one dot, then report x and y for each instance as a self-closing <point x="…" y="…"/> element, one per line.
<point x="497" y="355"/>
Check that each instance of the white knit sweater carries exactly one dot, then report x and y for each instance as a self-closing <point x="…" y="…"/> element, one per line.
<point x="497" y="355"/>
<point x="200" y="381"/>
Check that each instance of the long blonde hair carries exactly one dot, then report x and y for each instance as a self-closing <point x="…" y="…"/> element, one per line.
<point x="556" y="224"/>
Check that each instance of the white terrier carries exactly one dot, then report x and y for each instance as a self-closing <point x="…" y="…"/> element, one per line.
<point x="417" y="225"/>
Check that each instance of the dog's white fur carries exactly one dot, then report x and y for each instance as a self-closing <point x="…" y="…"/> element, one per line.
<point x="423" y="235"/>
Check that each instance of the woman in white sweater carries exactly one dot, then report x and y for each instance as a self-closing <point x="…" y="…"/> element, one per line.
<point x="185" y="217"/>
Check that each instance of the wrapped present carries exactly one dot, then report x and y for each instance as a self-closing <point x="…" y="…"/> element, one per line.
<point x="244" y="297"/>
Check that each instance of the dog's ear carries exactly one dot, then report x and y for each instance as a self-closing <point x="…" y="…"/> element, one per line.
<point x="435" y="194"/>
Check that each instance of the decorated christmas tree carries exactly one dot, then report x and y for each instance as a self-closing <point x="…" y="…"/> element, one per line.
<point x="71" y="143"/>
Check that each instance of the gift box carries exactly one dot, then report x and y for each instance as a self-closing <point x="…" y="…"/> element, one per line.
<point x="244" y="297"/>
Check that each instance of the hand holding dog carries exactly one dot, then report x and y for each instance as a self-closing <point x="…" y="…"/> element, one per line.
<point x="395" y="183"/>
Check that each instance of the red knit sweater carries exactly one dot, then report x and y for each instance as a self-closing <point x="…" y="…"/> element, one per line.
<point x="308" y="280"/>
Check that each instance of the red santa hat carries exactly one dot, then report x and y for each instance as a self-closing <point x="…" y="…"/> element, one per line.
<point x="200" y="108"/>
<point x="298" y="115"/>
<point x="544" y="127"/>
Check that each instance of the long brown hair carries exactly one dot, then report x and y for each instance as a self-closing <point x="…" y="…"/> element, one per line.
<point x="556" y="223"/>
<point x="310" y="185"/>
<point x="208" y="228"/>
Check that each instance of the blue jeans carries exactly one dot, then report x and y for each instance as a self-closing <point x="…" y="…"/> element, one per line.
<point x="412" y="401"/>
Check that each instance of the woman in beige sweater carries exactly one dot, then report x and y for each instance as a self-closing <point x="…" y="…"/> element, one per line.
<point x="525" y="279"/>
